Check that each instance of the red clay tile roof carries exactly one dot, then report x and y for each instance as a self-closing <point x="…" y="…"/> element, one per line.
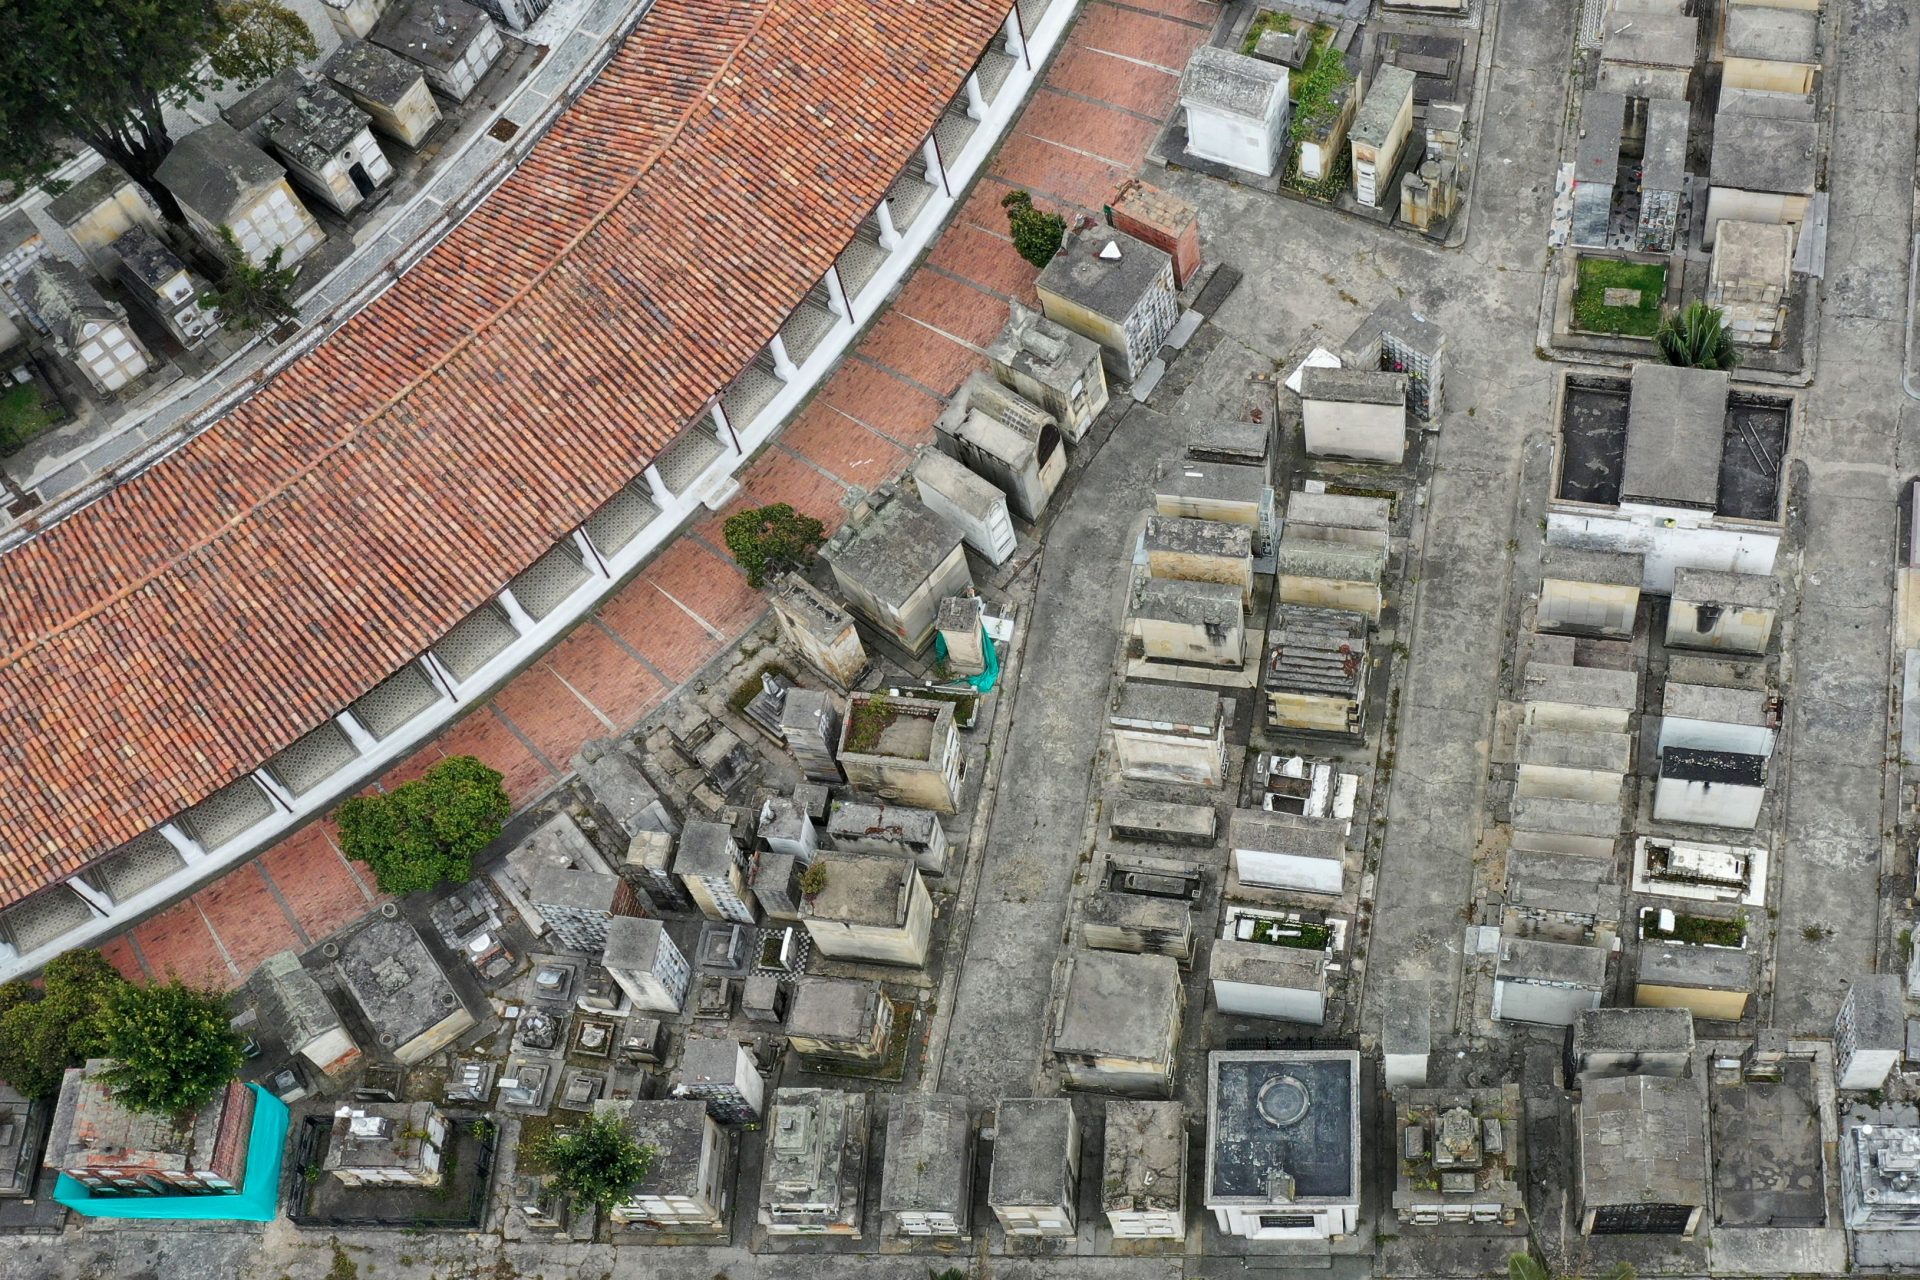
<point x="182" y="629"/>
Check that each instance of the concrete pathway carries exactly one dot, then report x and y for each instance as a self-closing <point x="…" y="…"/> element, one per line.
<point x="1858" y="436"/>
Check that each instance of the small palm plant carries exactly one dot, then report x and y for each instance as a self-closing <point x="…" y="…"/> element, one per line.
<point x="1697" y="338"/>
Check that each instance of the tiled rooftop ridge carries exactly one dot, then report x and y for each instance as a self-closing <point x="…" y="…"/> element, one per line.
<point x="165" y="640"/>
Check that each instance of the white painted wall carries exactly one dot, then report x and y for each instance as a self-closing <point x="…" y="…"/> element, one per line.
<point x="1285" y="1004"/>
<point x="1866" y="1069"/>
<point x="1538" y="1003"/>
<point x="1733" y="204"/>
<point x="1570" y="784"/>
<point x="1587" y="606"/>
<point x="1328" y="1221"/>
<point x="1253" y="146"/>
<point x="1669" y="538"/>
<point x="1338" y="429"/>
<point x="1716" y="804"/>
<point x="1737" y="630"/>
<point x="1715" y="735"/>
<point x="1274" y="870"/>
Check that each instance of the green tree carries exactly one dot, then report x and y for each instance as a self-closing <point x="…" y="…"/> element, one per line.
<point x="599" y="1163"/>
<point x="59" y="1024"/>
<point x="425" y="832"/>
<point x="172" y="1047"/>
<point x="1037" y="234"/>
<point x="102" y="71"/>
<point x="766" y="541"/>
<point x="251" y="296"/>
<point x="1697" y="338"/>
<point x="254" y="39"/>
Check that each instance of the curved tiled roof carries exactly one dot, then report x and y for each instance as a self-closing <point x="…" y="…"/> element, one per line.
<point x="176" y="633"/>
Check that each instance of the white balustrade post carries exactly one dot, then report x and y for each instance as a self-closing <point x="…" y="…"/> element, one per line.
<point x="889" y="235"/>
<point x="522" y="621"/>
<point x="783" y="364"/>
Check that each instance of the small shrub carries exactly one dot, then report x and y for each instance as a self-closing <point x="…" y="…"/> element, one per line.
<point x="1037" y="234"/>
<point x="869" y="722"/>
<point x="1267" y="20"/>
<point x="750" y="690"/>
<point x="766" y="541"/>
<point x="1696" y="930"/>
<point x="1317" y="96"/>
<point x="813" y="881"/>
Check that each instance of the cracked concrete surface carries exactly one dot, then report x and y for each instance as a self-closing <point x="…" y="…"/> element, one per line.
<point x="1857" y="436"/>
<point x="1310" y="276"/>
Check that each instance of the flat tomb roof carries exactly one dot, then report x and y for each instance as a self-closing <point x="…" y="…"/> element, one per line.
<point x="1675" y="431"/>
<point x="1283" y="1114"/>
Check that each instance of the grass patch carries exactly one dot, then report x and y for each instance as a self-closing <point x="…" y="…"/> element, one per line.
<point x="750" y="690"/>
<point x="1264" y="21"/>
<point x="534" y="1131"/>
<point x="1698" y="931"/>
<point x="869" y="721"/>
<point x="344" y="1267"/>
<point x="1327" y="189"/>
<point x="24" y="415"/>
<point x="1389" y="496"/>
<point x="966" y="706"/>
<point x="1597" y="275"/>
<point x="1287" y="933"/>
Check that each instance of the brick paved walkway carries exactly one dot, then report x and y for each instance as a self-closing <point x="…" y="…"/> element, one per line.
<point x="1114" y="83"/>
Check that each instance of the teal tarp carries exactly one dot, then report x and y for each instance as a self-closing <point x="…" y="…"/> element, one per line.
<point x="985" y="681"/>
<point x="258" y="1201"/>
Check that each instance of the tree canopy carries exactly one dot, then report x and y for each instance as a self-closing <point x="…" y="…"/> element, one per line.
<point x="1037" y="234"/>
<point x="172" y="1046"/>
<point x="59" y="1024"/>
<point x="426" y="832"/>
<point x="599" y="1163"/>
<point x="247" y="296"/>
<point x="101" y="72"/>
<point x="769" y="540"/>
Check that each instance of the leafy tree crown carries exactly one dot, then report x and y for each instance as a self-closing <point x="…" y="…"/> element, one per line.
<point x="599" y="1163"/>
<point x="172" y="1047"/>
<point x="766" y="541"/>
<point x="251" y="295"/>
<point x="425" y="832"/>
<point x="59" y="1024"/>
<point x="1037" y="234"/>
<point x="104" y="72"/>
